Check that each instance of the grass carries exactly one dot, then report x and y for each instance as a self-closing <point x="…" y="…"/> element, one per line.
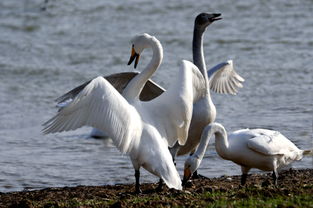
<point x="252" y="197"/>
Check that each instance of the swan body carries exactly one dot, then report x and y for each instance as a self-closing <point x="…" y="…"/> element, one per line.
<point x="143" y="130"/>
<point x="263" y="149"/>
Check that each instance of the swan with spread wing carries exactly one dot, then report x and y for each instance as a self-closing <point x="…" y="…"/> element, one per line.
<point x="143" y="130"/>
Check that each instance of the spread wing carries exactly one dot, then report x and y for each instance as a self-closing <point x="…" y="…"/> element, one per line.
<point x="224" y="78"/>
<point x="172" y="110"/>
<point x="270" y="142"/>
<point x="100" y="105"/>
<point x="119" y="81"/>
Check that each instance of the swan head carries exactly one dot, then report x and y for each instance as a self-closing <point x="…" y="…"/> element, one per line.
<point x="203" y="20"/>
<point x="191" y="165"/>
<point x="139" y="43"/>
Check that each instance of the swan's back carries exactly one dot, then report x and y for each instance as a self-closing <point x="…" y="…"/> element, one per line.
<point x="269" y="142"/>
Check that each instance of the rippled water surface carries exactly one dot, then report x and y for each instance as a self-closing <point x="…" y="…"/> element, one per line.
<point x="49" y="48"/>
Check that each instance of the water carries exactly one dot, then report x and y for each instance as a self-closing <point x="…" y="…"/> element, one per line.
<point x="45" y="52"/>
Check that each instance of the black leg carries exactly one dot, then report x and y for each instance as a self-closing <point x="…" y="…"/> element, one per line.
<point x="243" y="178"/>
<point x="137" y="176"/>
<point x="160" y="186"/>
<point x="275" y="177"/>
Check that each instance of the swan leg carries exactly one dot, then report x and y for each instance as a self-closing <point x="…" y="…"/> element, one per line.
<point x="244" y="175"/>
<point x="275" y="176"/>
<point x="243" y="179"/>
<point x="160" y="186"/>
<point x="137" y="176"/>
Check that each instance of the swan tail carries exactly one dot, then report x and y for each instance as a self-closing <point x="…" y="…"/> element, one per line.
<point x="308" y="152"/>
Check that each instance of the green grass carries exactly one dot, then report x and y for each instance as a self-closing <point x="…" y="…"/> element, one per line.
<point x="254" y="197"/>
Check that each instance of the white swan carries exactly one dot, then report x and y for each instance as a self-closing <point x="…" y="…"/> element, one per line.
<point x="143" y="130"/>
<point x="223" y="79"/>
<point x="263" y="149"/>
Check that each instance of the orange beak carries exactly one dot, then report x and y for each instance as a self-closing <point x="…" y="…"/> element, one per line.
<point x="133" y="56"/>
<point x="187" y="175"/>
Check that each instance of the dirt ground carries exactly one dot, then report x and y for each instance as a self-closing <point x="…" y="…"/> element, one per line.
<point x="197" y="193"/>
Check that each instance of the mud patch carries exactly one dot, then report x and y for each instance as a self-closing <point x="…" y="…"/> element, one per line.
<point x="294" y="187"/>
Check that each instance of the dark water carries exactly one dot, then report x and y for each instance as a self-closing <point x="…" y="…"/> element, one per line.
<point x="46" y="49"/>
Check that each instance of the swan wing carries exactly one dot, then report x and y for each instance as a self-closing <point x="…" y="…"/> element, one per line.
<point x="172" y="111"/>
<point x="270" y="142"/>
<point x="119" y="81"/>
<point x="101" y="106"/>
<point x="224" y="78"/>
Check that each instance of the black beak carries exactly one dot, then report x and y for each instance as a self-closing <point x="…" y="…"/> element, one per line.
<point x="134" y="56"/>
<point x="216" y="17"/>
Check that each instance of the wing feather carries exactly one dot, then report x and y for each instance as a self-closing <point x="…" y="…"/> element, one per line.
<point x="270" y="142"/>
<point x="119" y="81"/>
<point x="99" y="105"/>
<point x="224" y="78"/>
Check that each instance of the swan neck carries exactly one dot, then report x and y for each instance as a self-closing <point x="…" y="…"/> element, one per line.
<point x="221" y="143"/>
<point x="135" y="86"/>
<point x="197" y="51"/>
<point x="213" y="129"/>
<point x="204" y="142"/>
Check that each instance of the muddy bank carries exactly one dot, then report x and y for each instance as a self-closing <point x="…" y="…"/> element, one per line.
<point x="295" y="190"/>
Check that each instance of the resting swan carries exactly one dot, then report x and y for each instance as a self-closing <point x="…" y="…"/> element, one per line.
<point x="263" y="149"/>
<point x="223" y="79"/>
<point x="143" y="130"/>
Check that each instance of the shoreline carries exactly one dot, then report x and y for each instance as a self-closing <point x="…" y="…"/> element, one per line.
<point x="295" y="188"/>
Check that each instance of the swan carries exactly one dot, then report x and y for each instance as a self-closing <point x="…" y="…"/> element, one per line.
<point x="263" y="149"/>
<point x="142" y="130"/>
<point x="223" y="79"/>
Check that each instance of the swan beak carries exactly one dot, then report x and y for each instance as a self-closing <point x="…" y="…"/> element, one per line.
<point x="187" y="175"/>
<point x="216" y="17"/>
<point x="134" y="56"/>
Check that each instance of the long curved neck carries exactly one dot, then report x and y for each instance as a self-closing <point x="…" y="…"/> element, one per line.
<point x="221" y="140"/>
<point x="135" y="86"/>
<point x="197" y="51"/>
